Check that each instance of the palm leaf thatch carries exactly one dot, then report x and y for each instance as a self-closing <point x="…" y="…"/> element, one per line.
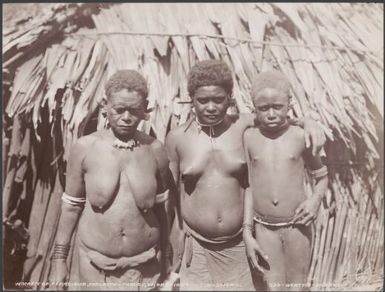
<point x="55" y="67"/>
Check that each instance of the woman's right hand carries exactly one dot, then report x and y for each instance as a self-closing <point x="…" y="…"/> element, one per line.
<point x="253" y="250"/>
<point x="58" y="274"/>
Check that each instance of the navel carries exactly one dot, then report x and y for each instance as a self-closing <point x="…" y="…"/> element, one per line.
<point x="219" y="219"/>
<point x="122" y="233"/>
<point x="275" y="202"/>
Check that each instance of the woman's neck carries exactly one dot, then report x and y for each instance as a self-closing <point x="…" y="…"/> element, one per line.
<point x="122" y="138"/>
<point x="214" y="130"/>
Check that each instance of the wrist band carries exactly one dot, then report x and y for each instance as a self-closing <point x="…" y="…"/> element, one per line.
<point x="60" y="251"/>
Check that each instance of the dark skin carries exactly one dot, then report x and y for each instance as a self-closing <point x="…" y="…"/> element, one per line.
<point x="120" y="217"/>
<point x="217" y="166"/>
<point x="276" y="156"/>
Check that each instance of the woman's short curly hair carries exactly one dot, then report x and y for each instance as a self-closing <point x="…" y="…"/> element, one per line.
<point x="210" y="72"/>
<point x="126" y="79"/>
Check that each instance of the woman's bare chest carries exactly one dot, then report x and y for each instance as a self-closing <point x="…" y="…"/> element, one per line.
<point x="111" y="173"/>
<point x="208" y="154"/>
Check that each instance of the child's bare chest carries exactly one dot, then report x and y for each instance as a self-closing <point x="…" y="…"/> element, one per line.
<point x="275" y="152"/>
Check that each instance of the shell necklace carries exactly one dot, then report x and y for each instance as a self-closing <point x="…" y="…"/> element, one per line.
<point x="121" y="145"/>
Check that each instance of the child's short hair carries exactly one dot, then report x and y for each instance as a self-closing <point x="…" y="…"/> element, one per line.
<point x="270" y="79"/>
<point x="126" y="79"/>
<point x="210" y="72"/>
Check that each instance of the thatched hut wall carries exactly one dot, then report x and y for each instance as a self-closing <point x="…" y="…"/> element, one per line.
<point x="55" y="66"/>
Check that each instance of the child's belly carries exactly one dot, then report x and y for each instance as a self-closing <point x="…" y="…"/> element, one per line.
<point x="276" y="194"/>
<point x="215" y="208"/>
<point x="278" y="206"/>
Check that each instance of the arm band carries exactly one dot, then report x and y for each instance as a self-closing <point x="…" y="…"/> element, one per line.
<point x="160" y="198"/>
<point x="320" y="172"/>
<point x="74" y="201"/>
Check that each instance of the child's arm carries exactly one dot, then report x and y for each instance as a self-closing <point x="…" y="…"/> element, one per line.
<point x="308" y="210"/>
<point x="252" y="246"/>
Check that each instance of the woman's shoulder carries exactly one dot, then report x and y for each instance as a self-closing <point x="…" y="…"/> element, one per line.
<point x="180" y="131"/>
<point x="88" y="140"/>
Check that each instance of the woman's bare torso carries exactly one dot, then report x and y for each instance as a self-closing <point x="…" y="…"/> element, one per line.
<point x="277" y="172"/>
<point x="111" y="222"/>
<point x="213" y="174"/>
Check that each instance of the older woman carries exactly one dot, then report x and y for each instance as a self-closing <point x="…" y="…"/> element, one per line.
<point x="207" y="159"/>
<point x="116" y="184"/>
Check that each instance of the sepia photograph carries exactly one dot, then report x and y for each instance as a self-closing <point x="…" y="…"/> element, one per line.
<point x="193" y="146"/>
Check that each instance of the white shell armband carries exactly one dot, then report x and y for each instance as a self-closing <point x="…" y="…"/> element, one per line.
<point x="74" y="201"/>
<point x="320" y="172"/>
<point x="160" y="198"/>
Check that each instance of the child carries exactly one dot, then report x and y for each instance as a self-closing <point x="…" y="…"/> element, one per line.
<point x="276" y="201"/>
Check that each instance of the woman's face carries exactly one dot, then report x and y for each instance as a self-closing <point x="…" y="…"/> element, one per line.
<point x="125" y="109"/>
<point x="210" y="104"/>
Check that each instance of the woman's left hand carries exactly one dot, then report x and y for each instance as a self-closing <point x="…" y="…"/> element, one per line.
<point x="314" y="136"/>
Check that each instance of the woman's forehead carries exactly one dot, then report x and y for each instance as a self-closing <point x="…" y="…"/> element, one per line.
<point x="209" y="91"/>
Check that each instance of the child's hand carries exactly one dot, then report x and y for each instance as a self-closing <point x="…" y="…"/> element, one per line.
<point x="307" y="211"/>
<point x="252" y="249"/>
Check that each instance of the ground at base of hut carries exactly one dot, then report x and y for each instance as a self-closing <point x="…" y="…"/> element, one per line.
<point x="372" y="283"/>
